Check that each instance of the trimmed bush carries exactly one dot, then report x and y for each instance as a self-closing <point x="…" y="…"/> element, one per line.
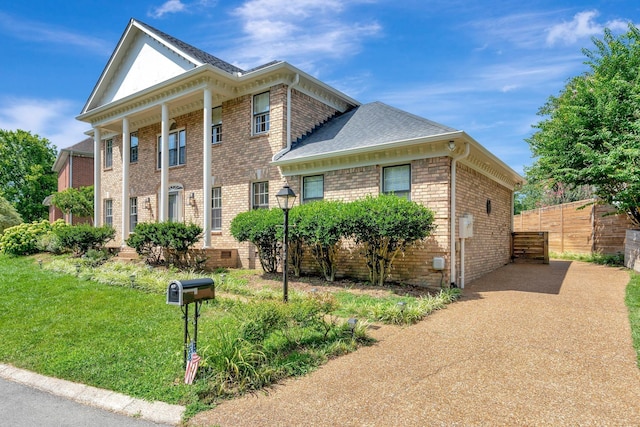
<point x="166" y="241"/>
<point x="384" y="226"/>
<point x="263" y="228"/>
<point x="83" y="237"/>
<point x="321" y="226"/>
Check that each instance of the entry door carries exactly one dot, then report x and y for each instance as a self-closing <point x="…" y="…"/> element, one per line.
<point x="174" y="207"/>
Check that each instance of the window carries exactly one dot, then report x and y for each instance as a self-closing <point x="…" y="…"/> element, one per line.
<point x="397" y="180"/>
<point x="108" y="212"/>
<point x="133" y="213"/>
<point x="216" y="208"/>
<point x="312" y="188"/>
<point x="108" y="153"/>
<point x="261" y="113"/>
<point x="177" y="148"/>
<point x="260" y="195"/>
<point x="216" y="125"/>
<point x="133" y="150"/>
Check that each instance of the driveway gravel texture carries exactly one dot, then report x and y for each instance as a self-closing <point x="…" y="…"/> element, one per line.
<point x="526" y="345"/>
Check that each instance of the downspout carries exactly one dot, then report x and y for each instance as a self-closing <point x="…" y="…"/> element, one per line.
<point x="452" y="246"/>
<point x="285" y="150"/>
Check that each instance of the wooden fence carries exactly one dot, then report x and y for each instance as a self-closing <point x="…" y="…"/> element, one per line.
<point x="575" y="228"/>
<point x="530" y="246"/>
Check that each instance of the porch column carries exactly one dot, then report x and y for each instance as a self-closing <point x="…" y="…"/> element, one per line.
<point x="163" y="203"/>
<point x="97" y="178"/>
<point x="206" y="170"/>
<point x="126" y="144"/>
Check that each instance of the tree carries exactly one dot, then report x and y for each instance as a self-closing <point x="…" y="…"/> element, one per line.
<point x="385" y="226"/>
<point x="8" y="215"/>
<point x="78" y="202"/>
<point x="591" y="131"/>
<point x="26" y="175"/>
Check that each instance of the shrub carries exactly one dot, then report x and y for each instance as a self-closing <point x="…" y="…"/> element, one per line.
<point x="263" y="228"/>
<point x="23" y="239"/>
<point x="321" y="226"/>
<point x="384" y="226"/>
<point x="81" y="238"/>
<point x="170" y="241"/>
<point x="9" y="216"/>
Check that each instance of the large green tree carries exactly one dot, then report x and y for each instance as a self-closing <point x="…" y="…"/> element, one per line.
<point x="26" y="177"/>
<point x="591" y="131"/>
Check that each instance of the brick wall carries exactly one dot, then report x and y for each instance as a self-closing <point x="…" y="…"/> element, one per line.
<point x="430" y="186"/>
<point x="490" y="246"/>
<point x="237" y="162"/>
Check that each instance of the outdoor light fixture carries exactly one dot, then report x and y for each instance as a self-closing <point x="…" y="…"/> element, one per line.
<point x="147" y="203"/>
<point x="401" y="305"/>
<point x="222" y="276"/>
<point x="40" y="263"/>
<point x="285" y="198"/>
<point x="452" y="146"/>
<point x="192" y="200"/>
<point x="77" y="269"/>
<point x="133" y="280"/>
<point x="352" y="322"/>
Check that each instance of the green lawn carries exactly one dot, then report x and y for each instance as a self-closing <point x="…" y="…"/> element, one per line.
<point x="633" y="303"/>
<point x="109" y="326"/>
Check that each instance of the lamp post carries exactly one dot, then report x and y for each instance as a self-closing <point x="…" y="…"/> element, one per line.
<point x="285" y="198"/>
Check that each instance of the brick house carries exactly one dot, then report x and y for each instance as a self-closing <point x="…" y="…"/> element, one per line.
<point x="74" y="166"/>
<point x="182" y="135"/>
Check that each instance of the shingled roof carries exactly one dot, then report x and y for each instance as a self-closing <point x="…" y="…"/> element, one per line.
<point x="368" y="125"/>
<point x="194" y="51"/>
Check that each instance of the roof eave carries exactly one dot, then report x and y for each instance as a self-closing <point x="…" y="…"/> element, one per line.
<point x="370" y="149"/>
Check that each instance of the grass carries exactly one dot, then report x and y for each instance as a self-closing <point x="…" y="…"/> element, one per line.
<point x="632" y="299"/>
<point x="109" y="326"/>
<point x="596" y="258"/>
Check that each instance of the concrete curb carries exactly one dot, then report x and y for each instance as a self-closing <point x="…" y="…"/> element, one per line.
<point x="158" y="412"/>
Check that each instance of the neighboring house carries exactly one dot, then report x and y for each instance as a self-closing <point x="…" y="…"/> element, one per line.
<point x="74" y="166"/>
<point x="181" y="135"/>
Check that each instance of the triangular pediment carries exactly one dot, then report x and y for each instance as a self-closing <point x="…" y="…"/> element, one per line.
<point x="142" y="59"/>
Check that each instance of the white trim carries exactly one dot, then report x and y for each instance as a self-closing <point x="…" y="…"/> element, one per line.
<point x="206" y="167"/>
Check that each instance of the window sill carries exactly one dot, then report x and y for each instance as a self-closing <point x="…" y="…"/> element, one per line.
<point x="259" y="135"/>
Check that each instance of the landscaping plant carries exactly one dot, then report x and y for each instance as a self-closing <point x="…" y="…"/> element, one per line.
<point x="385" y="226"/>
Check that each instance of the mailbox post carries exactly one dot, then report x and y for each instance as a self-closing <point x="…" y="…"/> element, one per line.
<point x="185" y="292"/>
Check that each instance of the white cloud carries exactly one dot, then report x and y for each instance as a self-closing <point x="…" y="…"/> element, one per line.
<point x="303" y="32"/>
<point x="49" y="34"/>
<point x="582" y="26"/>
<point x="170" y="6"/>
<point x="51" y="119"/>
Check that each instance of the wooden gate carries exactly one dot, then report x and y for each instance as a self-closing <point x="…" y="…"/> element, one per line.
<point x="530" y="246"/>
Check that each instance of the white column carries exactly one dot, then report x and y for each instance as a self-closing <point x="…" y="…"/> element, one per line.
<point x="126" y="144"/>
<point x="164" y="166"/>
<point x="206" y="170"/>
<point x="97" y="178"/>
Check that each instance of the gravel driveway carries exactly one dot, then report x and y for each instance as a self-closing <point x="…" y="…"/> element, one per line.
<point x="526" y="345"/>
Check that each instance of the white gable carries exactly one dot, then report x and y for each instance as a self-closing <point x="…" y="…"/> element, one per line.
<point x="146" y="62"/>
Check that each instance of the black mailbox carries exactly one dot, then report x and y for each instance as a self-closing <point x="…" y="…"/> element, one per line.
<point x="188" y="291"/>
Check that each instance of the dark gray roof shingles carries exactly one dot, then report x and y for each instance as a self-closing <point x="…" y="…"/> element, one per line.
<point x="365" y="126"/>
<point x="195" y="52"/>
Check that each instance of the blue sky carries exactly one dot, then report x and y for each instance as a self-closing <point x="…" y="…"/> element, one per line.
<point x="484" y="67"/>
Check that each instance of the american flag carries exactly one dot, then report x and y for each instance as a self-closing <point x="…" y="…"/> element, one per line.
<point x="193" y="360"/>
